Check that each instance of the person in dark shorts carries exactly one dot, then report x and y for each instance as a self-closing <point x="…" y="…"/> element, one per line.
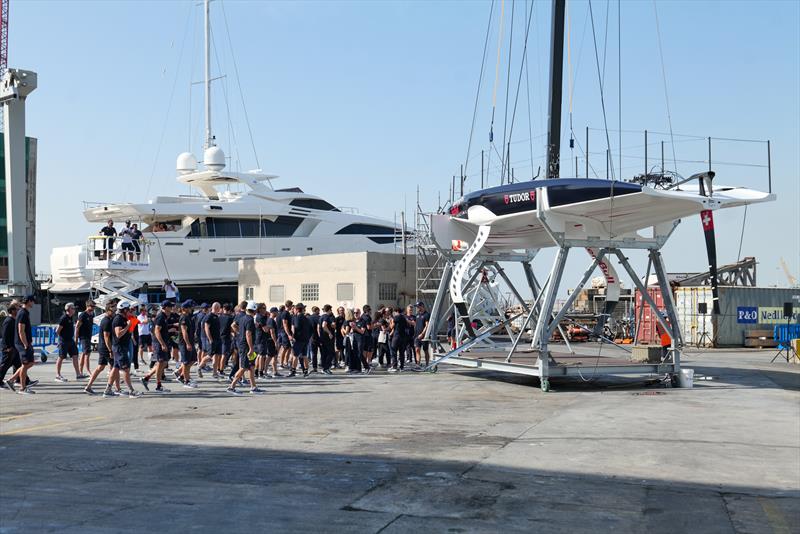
<point x="201" y="343"/>
<point x="110" y="232"/>
<point x="103" y="347"/>
<point x="10" y="356"/>
<point x="367" y="343"/>
<point x="421" y="345"/>
<point x="83" y="329"/>
<point x="260" y="345"/>
<point x="186" y="343"/>
<point x="226" y="336"/>
<point x="213" y="338"/>
<point x="301" y="335"/>
<point x="23" y="342"/>
<point x="245" y="328"/>
<point x="272" y="344"/>
<point x="161" y="347"/>
<point x="136" y="236"/>
<point x="120" y="348"/>
<point x="67" y="348"/>
<point x="285" y="333"/>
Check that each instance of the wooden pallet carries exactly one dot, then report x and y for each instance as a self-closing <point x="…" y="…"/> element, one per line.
<point x="758" y="338"/>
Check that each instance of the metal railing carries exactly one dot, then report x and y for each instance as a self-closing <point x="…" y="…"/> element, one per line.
<point x="114" y="251"/>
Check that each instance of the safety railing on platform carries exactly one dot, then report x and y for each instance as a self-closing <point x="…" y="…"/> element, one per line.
<point x="109" y="252"/>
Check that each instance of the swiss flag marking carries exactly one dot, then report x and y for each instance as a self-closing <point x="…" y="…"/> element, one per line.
<point x="707" y="219"/>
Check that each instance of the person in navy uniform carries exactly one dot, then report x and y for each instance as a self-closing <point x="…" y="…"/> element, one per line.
<point x="201" y="343"/>
<point x="327" y="337"/>
<point x="120" y="348"/>
<point x="66" y="343"/>
<point x="161" y="347"/>
<point x="186" y="342"/>
<point x="104" y="356"/>
<point x="83" y="329"/>
<point x="421" y="345"/>
<point x="300" y="336"/>
<point x="213" y="339"/>
<point x="313" y="343"/>
<point x="10" y="356"/>
<point x="398" y="339"/>
<point x="109" y="231"/>
<point x="245" y="329"/>
<point x="272" y="344"/>
<point x="23" y="342"/>
<point x="226" y="336"/>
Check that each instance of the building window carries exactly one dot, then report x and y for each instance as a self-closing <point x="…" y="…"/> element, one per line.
<point x="248" y="293"/>
<point x="344" y="292"/>
<point x="309" y="292"/>
<point x="277" y="293"/>
<point x="387" y="291"/>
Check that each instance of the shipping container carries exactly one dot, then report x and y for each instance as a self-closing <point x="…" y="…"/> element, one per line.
<point x="646" y="333"/>
<point x="696" y="328"/>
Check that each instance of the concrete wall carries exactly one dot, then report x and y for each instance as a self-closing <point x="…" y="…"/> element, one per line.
<point x="366" y="271"/>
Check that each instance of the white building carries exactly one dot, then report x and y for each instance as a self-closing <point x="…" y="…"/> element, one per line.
<point x="350" y="280"/>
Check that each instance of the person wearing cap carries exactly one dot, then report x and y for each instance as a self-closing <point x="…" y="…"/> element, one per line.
<point x="260" y="344"/>
<point x="213" y="341"/>
<point x="272" y="344"/>
<point x="104" y="347"/>
<point x="327" y="339"/>
<point x="186" y="342"/>
<point x="66" y="343"/>
<point x="161" y="347"/>
<point x="127" y="241"/>
<point x="133" y="327"/>
<point x="120" y="349"/>
<point x="83" y="332"/>
<point x="245" y="328"/>
<point x="421" y="321"/>
<point x="398" y="340"/>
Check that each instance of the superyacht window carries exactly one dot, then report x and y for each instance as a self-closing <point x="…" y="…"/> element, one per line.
<point x="387" y="291"/>
<point x="313" y="204"/>
<point x="276" y="293"/>
<point x="309" y="292"/>
<point x="283" y="226"/>
<point x="366" y="229"/>
<point x="344" y="292"/>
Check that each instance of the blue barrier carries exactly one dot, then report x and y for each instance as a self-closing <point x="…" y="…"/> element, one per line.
<point x="43" y="337"/>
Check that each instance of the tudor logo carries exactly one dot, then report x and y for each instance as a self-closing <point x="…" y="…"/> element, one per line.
<point x="528" y="196"/>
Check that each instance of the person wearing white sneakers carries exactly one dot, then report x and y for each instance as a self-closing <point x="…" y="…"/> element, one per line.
<point x="120" y="346"/>
<point x="245" y="328"/>
<point x="66" y="343"/>
<point x="23" y="342"/>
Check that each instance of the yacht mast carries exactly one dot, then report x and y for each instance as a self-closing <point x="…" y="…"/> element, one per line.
<point x="209" y="138"/>
<point x="556" y="83"/>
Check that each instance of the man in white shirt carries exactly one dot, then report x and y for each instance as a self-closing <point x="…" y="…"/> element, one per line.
<point x="171" y="290"/>
<point x="145" y="339"/>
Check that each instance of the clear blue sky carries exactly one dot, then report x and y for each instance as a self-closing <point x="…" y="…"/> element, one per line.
<point x="363" y="102"/>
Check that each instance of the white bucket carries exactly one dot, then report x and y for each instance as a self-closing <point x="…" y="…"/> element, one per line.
<point x="686" y="378"/>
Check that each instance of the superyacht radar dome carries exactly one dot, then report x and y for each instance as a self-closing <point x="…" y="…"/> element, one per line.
<point x="186" y="163"/>
<point x="214" y="158"/>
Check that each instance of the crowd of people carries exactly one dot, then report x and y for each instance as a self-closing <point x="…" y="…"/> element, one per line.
<point x="237" y="345"/>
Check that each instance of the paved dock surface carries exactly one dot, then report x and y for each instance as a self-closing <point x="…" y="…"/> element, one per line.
<point x="456" y="451"/>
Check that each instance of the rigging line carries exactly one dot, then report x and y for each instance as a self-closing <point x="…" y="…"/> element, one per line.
<point x="231" y="132"/>
<point x="666" y="93"/>
<point x="741" y="238"/>
<point x="480" y="81"/>
<point x="497" y="69"/>
<point x="508" y="88"/>
<point x="602" y="92"/>
<point x="239" y="84"/>
<point x="528" y="94"/>
<point x="619" y="79"/>
<point x="519" y="79"/>
<point x="605" y="40"/>
<point x="169" y="108"/>
<point x="191" y="75"/>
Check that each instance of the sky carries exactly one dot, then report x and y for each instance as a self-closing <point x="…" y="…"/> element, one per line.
<point x="366" y="103"/>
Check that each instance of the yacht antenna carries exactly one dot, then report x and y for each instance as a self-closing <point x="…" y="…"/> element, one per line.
<point x="209" y="138"/>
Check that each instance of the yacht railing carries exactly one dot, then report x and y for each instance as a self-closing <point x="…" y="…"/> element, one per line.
<point x="111" y="253"/>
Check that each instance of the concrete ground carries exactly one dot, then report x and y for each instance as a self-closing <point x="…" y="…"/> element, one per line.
<point x="457" y="451"/>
